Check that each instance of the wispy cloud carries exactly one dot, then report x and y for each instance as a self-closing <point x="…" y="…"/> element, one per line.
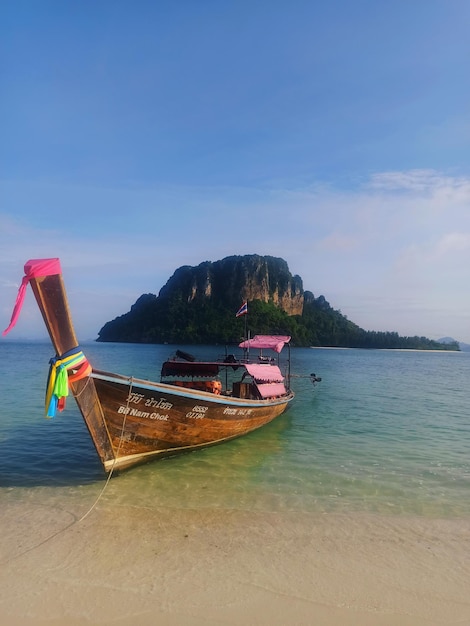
<point x="412" y="181"/>
<point x="454" y="244"/>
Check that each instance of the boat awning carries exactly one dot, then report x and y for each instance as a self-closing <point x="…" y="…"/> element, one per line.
<point x="185" y="368"/>
<point x="268" y="342"/>
<point x="265" y="373"/>
<point x="271" y="390"/>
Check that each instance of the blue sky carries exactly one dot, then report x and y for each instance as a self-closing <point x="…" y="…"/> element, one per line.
<point x="140" y="136"/>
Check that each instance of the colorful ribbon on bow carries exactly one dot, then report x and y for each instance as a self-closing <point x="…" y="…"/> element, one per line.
<point x="63" y="370"/>
<point x="32" y="269"/>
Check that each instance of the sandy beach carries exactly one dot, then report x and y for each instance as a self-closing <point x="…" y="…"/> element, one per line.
<point x="174" y="567"/>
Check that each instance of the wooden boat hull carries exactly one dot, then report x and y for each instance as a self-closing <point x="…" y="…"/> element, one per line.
<point x="146" y="420"/>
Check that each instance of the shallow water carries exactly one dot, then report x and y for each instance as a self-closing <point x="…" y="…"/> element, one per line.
<point x="384" y="432"/>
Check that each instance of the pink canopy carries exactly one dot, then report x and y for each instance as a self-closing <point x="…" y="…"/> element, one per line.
<point x="272" y="390"/>
<point x="32" y="269"/>
<point x="265" y="373"/>
<point x="268" y="342"/>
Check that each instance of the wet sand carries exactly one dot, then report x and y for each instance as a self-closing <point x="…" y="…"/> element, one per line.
<point x="126" y="565"/>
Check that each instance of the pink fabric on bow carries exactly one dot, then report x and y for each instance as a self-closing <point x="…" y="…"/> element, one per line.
<point x="32" y="269"/>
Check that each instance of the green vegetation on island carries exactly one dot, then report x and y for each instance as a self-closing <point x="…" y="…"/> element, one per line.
<point x="198" y="305"/>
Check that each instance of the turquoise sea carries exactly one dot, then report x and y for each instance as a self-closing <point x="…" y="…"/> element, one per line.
<point x="384" y="432"/>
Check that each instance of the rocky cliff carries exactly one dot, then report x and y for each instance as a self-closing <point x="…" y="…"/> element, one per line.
<point x="235" y="279"/>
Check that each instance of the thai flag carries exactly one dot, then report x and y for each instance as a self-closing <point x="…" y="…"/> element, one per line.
<point x="243" y="310"/>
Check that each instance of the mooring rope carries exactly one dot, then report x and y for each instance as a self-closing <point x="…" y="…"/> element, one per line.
<point x="78" y="394"/>
<point x="116" y="456"/>
<point x="100" y="495"/>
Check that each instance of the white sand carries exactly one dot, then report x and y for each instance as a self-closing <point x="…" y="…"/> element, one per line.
<point x="204" y="568"/>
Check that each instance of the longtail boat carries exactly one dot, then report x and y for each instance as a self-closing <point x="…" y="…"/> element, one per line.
<point x="132" y="421"/>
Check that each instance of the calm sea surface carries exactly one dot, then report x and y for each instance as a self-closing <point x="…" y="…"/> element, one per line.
<point x="384" y="432"/>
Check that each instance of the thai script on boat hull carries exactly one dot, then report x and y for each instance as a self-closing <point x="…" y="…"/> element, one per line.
<point x="145" y="414"/>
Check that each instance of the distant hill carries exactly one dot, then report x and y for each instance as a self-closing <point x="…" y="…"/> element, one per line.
<point x="198" y="305"/>
<point x="465" y="347"/>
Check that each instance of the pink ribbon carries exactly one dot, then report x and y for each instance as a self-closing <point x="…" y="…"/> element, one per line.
<point x="32" y="269"/>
